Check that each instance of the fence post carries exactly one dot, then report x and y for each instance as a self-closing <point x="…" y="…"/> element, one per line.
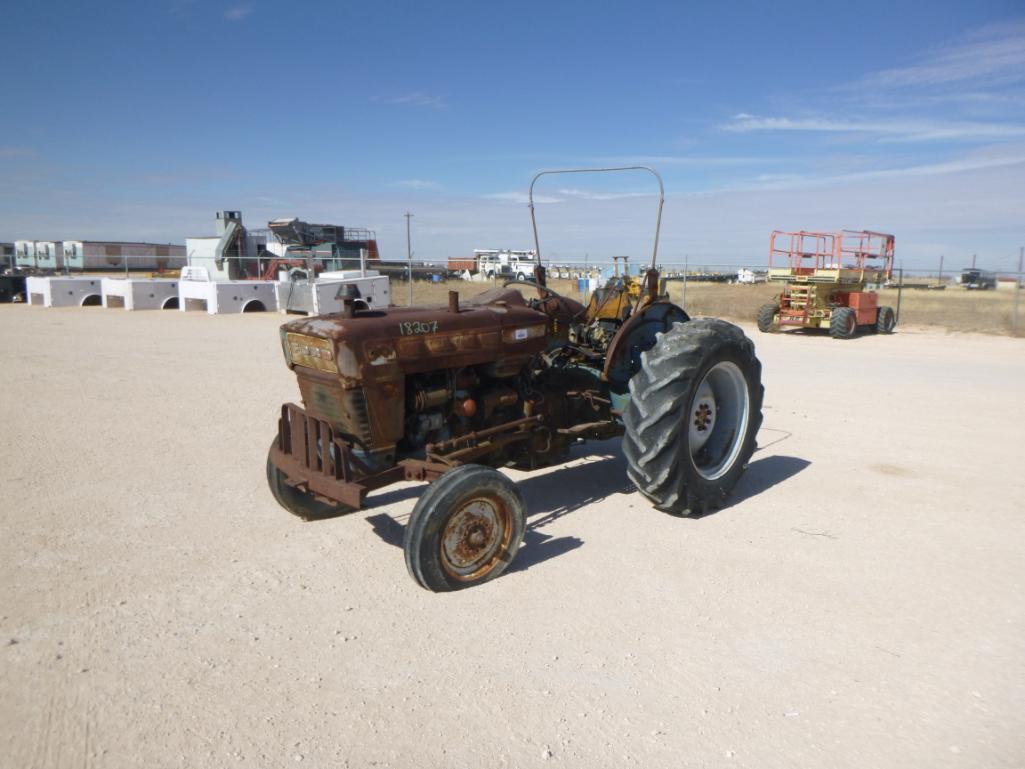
<point x="900" y="290"/>
<point x="1017" y="290"/>
<point x="686" y="257"/>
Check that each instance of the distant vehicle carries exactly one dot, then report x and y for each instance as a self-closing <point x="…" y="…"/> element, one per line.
<point x="825" y="282"/>
<point x="978" y="279"/>
<point x="496" y="263"/>
<point x="744" y="275"/>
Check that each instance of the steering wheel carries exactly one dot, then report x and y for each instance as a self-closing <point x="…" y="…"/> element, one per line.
<point x="548" y="293"/>
<point x="535" y="303"/>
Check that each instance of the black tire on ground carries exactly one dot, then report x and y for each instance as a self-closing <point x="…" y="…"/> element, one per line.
<point x="695" y="409"/>
<point x="520" y="276"/>
<point x="465" y="529"/>
<point x="843" y="323"/>
<point x="299" y="503"/>
<point x="766" y="318"/>
<point x="885" y="320"/>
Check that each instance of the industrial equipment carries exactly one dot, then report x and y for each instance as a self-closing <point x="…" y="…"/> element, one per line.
<point x="825" y="276"/>
<point x="318" y="247"/>
<point x="975" y="279"/>
<point x="511" y="377"/>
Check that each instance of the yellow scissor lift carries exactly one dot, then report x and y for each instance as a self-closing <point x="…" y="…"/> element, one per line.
<point x="825" y="276"/>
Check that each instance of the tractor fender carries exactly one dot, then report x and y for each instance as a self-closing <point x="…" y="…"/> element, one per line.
<point x="635" y="336"/>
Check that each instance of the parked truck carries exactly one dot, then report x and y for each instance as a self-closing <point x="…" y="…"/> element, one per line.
<point x="495" y="263"/>
<point x="978" y="279"/>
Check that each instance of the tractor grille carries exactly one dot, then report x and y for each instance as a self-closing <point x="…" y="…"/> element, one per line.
<point x="345" y="410"/>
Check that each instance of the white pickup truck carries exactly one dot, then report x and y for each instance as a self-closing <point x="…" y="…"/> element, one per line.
<point x="504" y="263"/>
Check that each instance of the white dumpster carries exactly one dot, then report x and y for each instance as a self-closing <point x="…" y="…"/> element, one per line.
<point x="58" y="291"/>
<point x="197" y="292"/>
<point x="140" y="293"/>
<point x="320" y="296"/>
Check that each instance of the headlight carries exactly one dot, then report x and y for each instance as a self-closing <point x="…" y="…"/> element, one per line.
<point x="310" y="351"/>
<point x="284" y="347"/>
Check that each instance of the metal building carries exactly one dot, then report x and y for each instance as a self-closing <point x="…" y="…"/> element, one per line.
<point x="91" y="255"/>
<point x="37" y="254"/>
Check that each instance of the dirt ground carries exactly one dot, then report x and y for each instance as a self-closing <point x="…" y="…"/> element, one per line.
<point x="859" y="604"/>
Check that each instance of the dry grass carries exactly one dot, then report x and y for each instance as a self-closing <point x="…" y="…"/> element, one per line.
<point x="437" y="293"/>
<point x="954" y="309"/>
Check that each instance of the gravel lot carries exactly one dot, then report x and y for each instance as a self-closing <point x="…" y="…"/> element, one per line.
<point x="859" y="604"/>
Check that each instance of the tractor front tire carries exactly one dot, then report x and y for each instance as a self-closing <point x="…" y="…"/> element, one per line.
<point x="694" y="412"/>
<point x="465" y="529"/>
<point x="843" y="323"/>
<point x="767" y="318"/>
<point x="300" y="503"/>
<point x="885" y="320"/>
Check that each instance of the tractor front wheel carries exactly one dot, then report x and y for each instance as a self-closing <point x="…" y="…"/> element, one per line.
<point x="843" y="323"/>
<point x="885" y="320"/>
<point x="465" y="529"/>
<point x="695" y="409"/>
<point x="299" y="503"/>
<point x="767" y="318"/>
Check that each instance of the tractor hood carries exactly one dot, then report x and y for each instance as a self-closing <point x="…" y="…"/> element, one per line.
<point x="496" y="327"/>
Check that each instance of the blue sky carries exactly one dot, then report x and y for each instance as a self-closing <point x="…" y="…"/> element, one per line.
<point x="139" y="120"/>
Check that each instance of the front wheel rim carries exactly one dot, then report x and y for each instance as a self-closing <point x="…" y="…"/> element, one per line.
<point x="717" y="420"/>
<point x="475" y="538"/>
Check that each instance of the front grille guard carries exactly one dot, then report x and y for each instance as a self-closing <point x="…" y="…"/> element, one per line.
<point x="316" y="447"/>
<point x="313" y="456"/>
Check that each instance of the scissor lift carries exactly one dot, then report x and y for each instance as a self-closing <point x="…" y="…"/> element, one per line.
<point x="825" y="276"/>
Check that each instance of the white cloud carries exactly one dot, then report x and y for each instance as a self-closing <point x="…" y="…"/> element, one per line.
<point x="520" y="197"/>
<point x="588" y="195"/>
<point x="994" y="54"/>
<point x="417" y="184"/>
<point x="414" y="99"/>
<point x="972" y="163"/>
<point x="238" y="12"/>
<point x="887" y="130"/>
<point x="696" y="161"/>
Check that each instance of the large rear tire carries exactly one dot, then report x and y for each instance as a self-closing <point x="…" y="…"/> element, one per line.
<point x="885" y="320"/>
<point x="767" y="318"/>
<point x="695" y="409"/>
<point x="843" y="323"/>
<point x="299" y="503"/>
<point x="465" y="529"/>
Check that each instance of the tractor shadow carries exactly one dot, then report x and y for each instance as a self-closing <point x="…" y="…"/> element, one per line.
<point x="762" y="474"/>
<point x="549" y="496"/>
<point x="575" y="485"/>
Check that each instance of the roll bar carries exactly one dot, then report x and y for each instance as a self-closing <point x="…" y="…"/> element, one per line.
<point x="658" y="217"/>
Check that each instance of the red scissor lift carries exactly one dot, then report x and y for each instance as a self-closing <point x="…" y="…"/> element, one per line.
<point x="825" y="277"/>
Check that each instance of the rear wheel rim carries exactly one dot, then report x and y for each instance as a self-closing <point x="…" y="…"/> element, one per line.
<point x="476" y="537"/>
<point x="717" y="420"/>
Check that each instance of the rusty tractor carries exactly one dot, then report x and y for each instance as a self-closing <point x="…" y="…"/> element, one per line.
<point x="826" y="277"/>
<point x="510" y="378"/>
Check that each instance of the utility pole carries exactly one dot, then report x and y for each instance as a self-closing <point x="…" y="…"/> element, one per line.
<point x="939" y="279"/>
<point x="973" y="261"/>
<point x="409" y="257"/>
